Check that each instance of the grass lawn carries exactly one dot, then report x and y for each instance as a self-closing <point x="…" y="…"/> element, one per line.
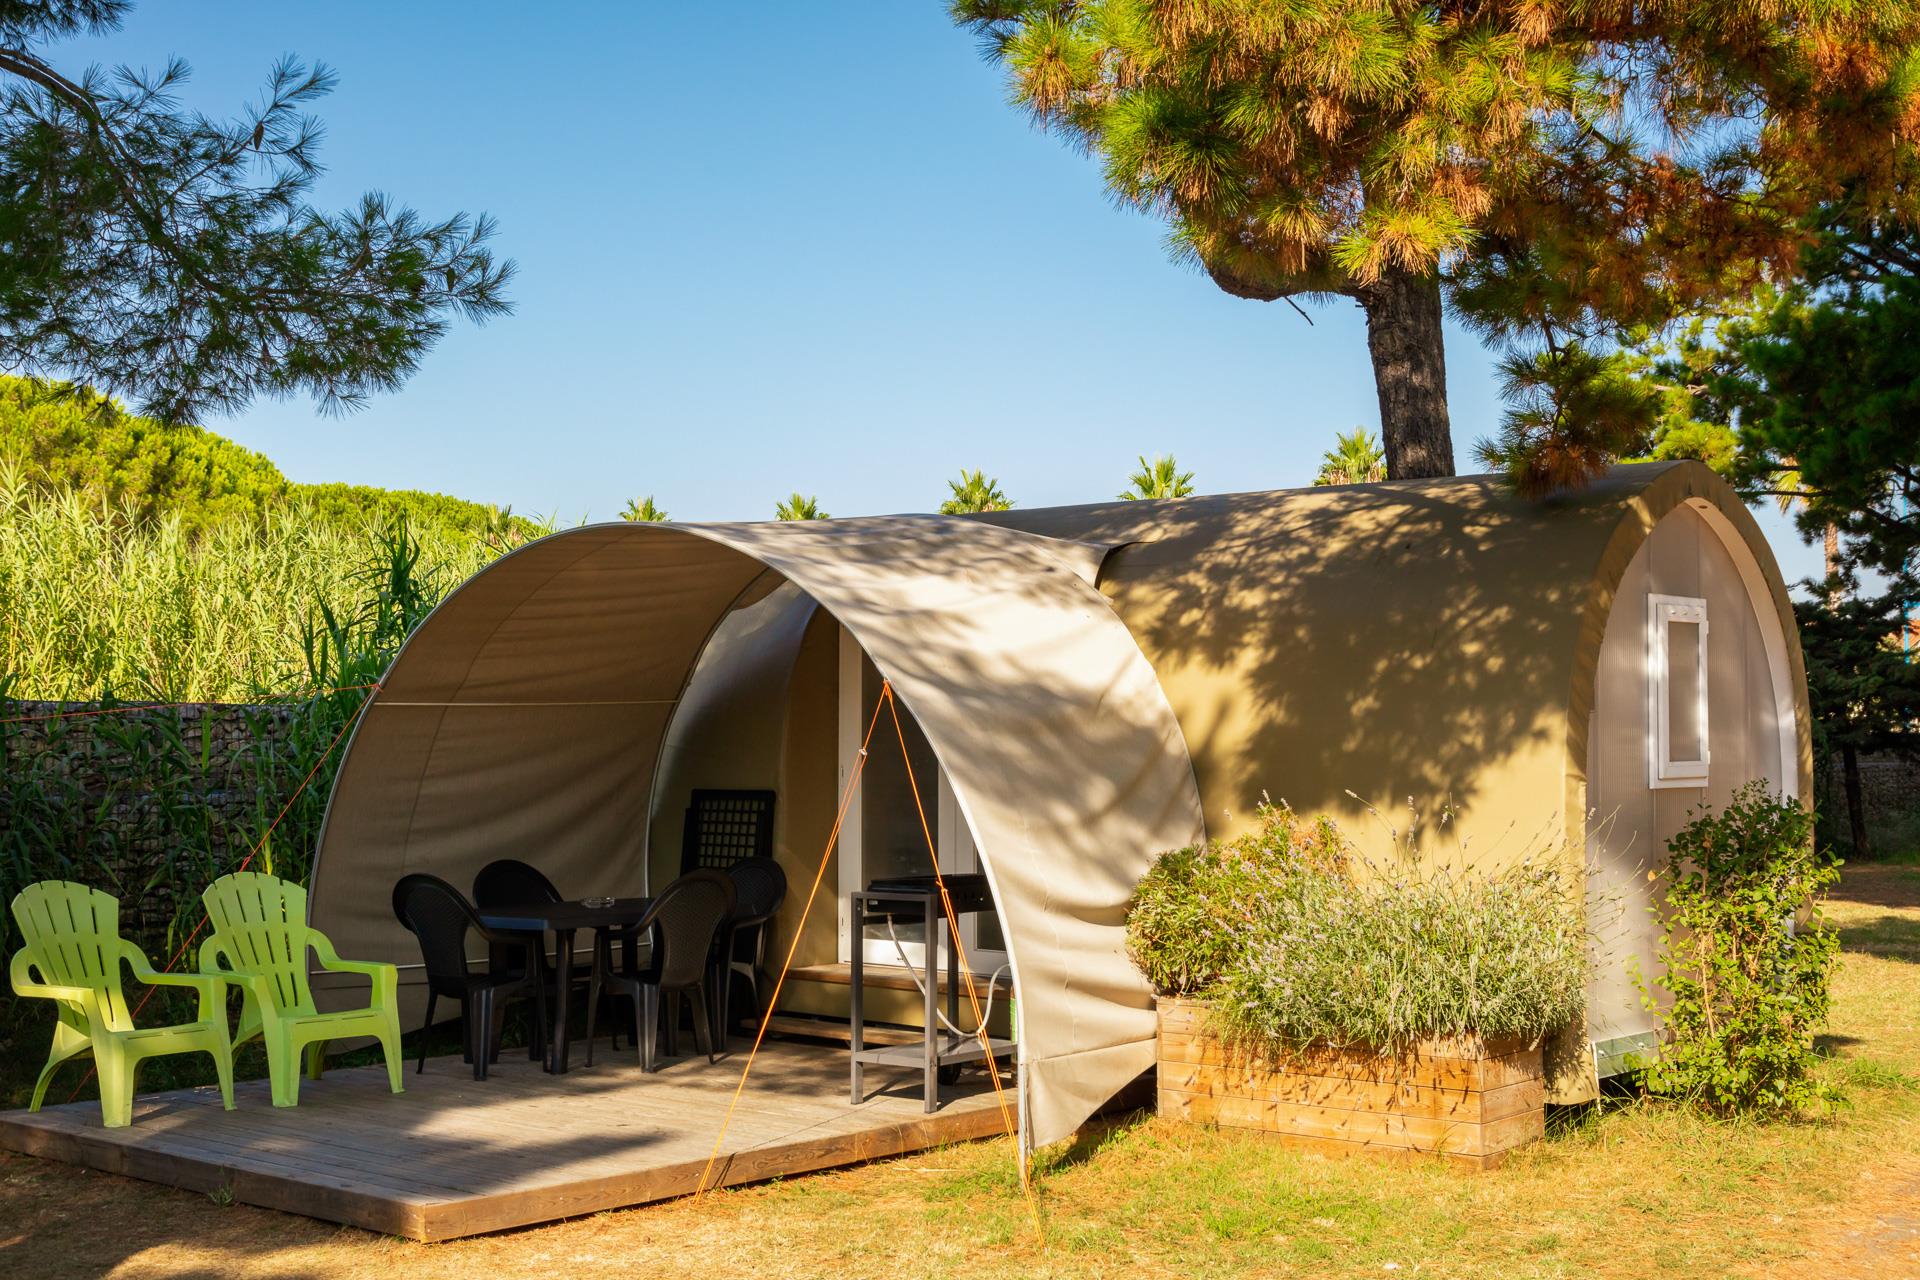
<point x="1635" y="1190"/>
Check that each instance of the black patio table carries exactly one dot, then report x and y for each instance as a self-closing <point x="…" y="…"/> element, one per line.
<point x="563" y="920"/>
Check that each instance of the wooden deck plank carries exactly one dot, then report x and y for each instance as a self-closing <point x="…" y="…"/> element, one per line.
<point x="452" y="1156"/>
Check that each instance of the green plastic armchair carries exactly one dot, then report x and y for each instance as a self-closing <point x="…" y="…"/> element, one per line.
<point x="72" y="957"/>
<point x="259" y="943"/>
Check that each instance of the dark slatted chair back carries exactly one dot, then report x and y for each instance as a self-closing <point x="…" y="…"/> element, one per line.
<point x="686" y="917"/>
<point x="510" y="882"/>
<point x="725" y="827"/>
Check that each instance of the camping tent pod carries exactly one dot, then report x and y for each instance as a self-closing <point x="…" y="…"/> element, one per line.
<point x="1094" y="684"/>
<point x="1572" y="677"/>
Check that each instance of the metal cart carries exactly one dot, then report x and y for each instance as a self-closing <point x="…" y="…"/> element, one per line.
<point x="940" y="1052"/>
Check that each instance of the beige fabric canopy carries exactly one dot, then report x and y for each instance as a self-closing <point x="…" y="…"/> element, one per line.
<point x="525" y="719"/>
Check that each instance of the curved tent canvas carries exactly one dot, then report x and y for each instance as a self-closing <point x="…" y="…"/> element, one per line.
<point x="525" y="719"/>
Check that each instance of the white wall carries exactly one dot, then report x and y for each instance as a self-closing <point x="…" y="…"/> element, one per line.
<point x="1630" y="822"/>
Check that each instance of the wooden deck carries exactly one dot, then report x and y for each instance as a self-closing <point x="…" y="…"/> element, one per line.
<point x="455" y="1157"/>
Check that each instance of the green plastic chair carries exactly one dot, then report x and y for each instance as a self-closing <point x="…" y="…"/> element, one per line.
<point x="259" y="943"/>
<point x="73" y="956"/>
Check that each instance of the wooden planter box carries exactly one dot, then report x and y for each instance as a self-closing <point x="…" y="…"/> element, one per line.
<point x="1470" y="1100"/>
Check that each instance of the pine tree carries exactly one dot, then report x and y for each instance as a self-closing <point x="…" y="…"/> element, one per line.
<point x="973" y="491"/>
<point x="1565" y="165"/>
<point x="170" y="258"/>
<point x="1161" y="478"/>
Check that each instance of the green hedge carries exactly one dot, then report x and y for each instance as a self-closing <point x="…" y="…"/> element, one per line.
<point x="61" y="438"/>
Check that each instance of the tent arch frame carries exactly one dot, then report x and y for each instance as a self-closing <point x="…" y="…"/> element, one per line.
<point x="964" y="619"/>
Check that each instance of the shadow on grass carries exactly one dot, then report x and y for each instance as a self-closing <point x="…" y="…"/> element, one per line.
<point x="1889" y="937"/>
<point x="1879" y="884"/>
<point x="1090" y="1140"/>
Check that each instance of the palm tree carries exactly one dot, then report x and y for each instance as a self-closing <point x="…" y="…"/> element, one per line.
<point x="501" y="530"/>
<point x="799" y="508"/>
<point x="974" y="492"/>
<point x="642" y="509"/>
<point x="504" y="531"/>
<point x="1161" y="478"/>
<point x="1356" y="458"/>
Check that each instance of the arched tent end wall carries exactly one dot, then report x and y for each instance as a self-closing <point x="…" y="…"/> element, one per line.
<point x="1685" y="535"/>
<point x="525" y="718"/>
<point x="1694" y="486"/>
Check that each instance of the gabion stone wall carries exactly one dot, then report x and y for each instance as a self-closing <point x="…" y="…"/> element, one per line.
<point x="147" y="803"/>
<point x="1890" y="788"/>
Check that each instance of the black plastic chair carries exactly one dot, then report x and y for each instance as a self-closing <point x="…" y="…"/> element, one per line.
<point x="441" y="919"/>
<point x="508" y="882"/>
<point x="682" y="924"/>
<point x="759" y="886"/>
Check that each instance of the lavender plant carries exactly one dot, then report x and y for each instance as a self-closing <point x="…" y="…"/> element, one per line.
<point x="1296" y="942"/>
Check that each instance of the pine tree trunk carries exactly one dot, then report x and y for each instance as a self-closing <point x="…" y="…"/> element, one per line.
<point x="1856" y="803"/>
<point x="1831" y="548"/>
<point x="1409" y="373"/>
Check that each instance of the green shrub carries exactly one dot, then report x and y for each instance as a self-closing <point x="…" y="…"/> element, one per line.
<point x="64" y="438"/>
<point x="1747" y="959"/>
<point x="1294" y="945"/>
<point x="1387" y="962"/>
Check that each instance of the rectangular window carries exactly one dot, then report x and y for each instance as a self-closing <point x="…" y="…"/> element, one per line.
<point x="1677" y="688"/>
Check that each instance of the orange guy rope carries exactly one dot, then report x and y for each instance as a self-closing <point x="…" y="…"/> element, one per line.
<point x="966" y="969"/>
<point x="258" y="845"/>
<point x="126" y="708"/>
<point x="833" y="838"/>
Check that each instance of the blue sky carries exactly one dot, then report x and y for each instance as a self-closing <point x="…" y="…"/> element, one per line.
<point x="771" y="246"/>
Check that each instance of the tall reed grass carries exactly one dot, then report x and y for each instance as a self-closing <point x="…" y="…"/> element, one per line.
<point x="96" y="600"/>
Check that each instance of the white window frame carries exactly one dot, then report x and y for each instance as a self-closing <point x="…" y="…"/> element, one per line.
<point x="1663" y="771"/>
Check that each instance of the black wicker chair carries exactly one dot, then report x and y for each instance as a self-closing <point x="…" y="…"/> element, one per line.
<point x="682" y="924"/>
<point x="441" y="919"/>
<point x="760" y="886"/>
